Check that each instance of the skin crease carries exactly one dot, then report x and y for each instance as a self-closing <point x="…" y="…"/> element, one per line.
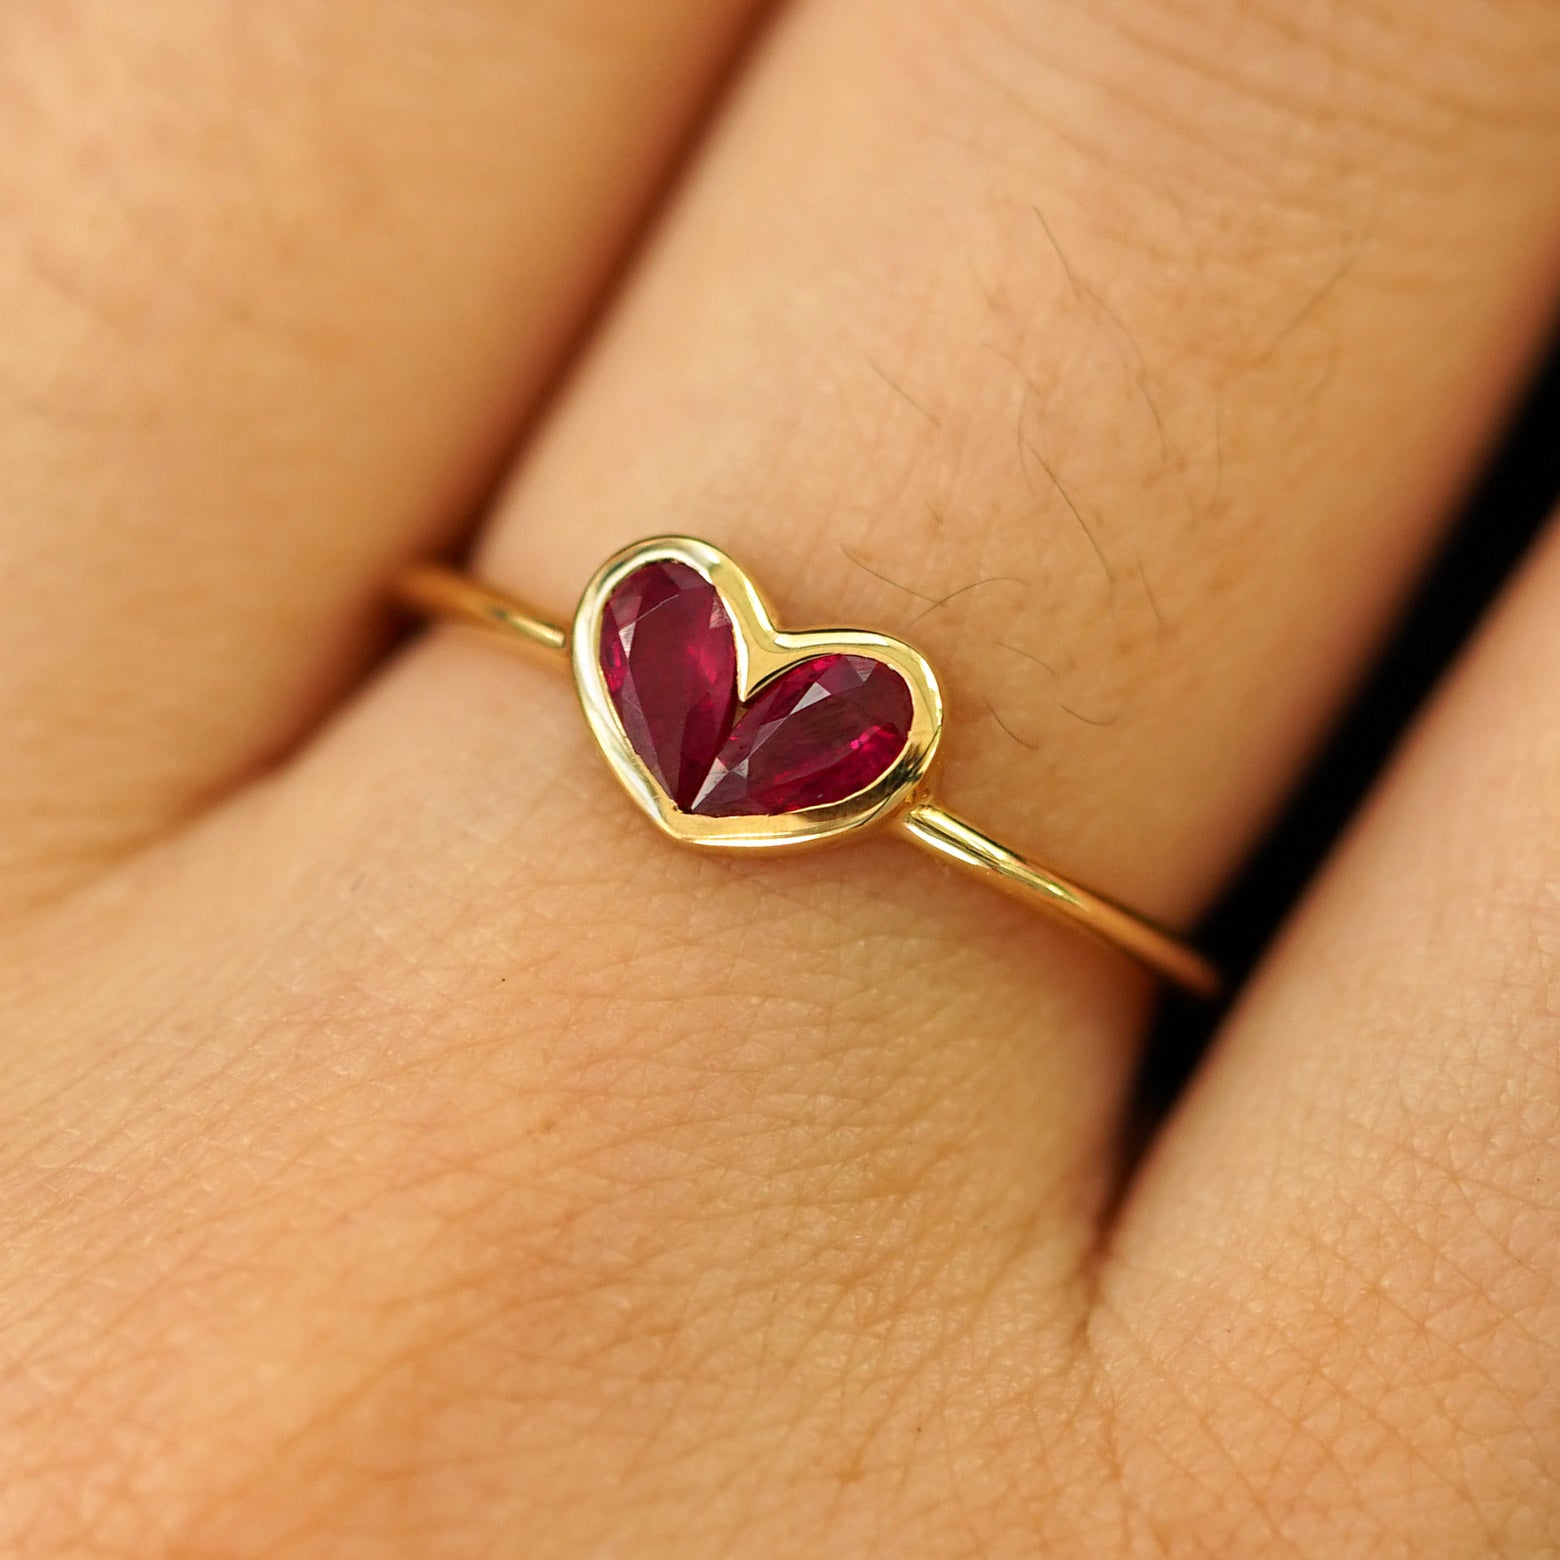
<point x="402" y="1149"/>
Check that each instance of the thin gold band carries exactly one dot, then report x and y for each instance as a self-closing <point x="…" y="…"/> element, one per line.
<point x="443" y="593"/>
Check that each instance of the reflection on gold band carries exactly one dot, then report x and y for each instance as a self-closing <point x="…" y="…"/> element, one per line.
<point x="937" y="830"/>
<point x="444" y="593"/>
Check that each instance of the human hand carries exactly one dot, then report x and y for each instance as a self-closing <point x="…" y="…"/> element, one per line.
<point x="408" y="1152"/>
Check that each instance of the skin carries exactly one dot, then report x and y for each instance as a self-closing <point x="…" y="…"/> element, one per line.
<point x="403" y="1150"/>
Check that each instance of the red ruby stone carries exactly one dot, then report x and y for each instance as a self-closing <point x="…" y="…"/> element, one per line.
<point x="815" y="733"/>
<point x="670" y="661"/>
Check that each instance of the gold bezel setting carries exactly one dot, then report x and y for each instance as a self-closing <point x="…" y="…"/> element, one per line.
<point x="762" y="651"/>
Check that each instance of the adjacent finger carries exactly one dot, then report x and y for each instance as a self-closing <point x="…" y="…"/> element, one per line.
<point x="1374" y="1148"/>
<point x="278" y="283"/>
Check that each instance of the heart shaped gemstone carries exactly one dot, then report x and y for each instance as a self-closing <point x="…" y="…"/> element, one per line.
<point x="816" y="732"/>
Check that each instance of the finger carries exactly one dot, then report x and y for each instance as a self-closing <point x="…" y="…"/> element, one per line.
<point x="278" y="285"/>
<point x="1374" y="1147"/>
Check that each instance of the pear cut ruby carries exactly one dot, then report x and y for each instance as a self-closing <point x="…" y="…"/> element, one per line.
<point x="818" y="731"/>
<point x="670" y="662"/>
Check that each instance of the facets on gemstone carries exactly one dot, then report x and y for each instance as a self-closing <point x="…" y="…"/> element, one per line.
<point x="815" y="733"/>
<point x="819" y="732"/>
<point x="669" y="658"/>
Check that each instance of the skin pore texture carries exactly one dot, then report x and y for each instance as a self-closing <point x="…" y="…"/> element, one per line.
<point x="403" y="1149"/>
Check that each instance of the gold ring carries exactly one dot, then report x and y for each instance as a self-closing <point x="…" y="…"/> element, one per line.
<point x="732" y="733"/>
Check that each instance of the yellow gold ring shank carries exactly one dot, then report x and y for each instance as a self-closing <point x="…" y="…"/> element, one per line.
<point x="771" y="668"/>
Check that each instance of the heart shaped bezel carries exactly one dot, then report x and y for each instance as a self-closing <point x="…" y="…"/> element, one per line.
<point x="762" y="651"/>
